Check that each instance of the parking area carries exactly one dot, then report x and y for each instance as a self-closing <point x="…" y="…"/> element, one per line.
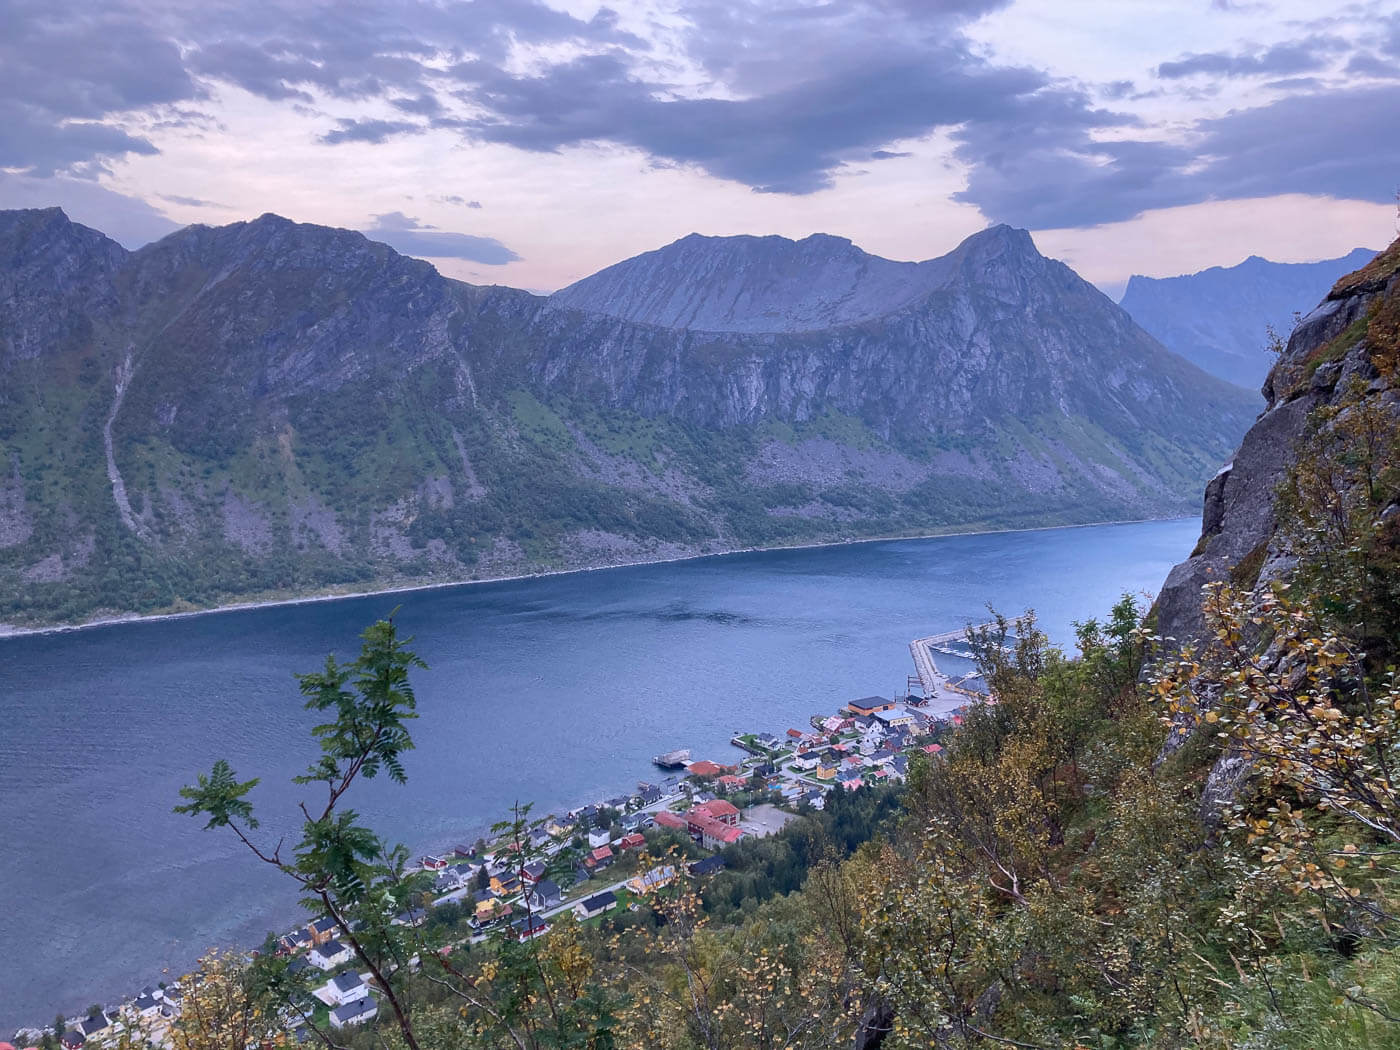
<point x="764" y="820"/>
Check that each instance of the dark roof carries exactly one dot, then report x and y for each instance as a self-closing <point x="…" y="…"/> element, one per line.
<point x="346" y="981"/>
<point x="73" y="1038"/>
<point x="708" y="866"/>
<point x="599" y="901"/>
<point x="331" y="947"/>
<point x="547" y="888"/>
<point x="354" y="1009"/>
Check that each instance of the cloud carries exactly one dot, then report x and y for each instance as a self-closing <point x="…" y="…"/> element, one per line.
<point x="371" y="131"/>
<point x="191" y="202"/>
<point x="1301" y="56"/>
<point x="1341" y="143"/>
<point x="406" y="234"/>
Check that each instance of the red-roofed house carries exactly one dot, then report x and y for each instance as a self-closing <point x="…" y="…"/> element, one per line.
<point x="632" y="841"/>
<point x="599" y="858"/>
<point x="704" y="768"/>
<point x="730" y="782"/>
<point x="718" y="809"/>
<point x="795" y="734"/>
<point x="712" y="833"/>
<point x="666" y="819"/>
<point x="933" y="749"/>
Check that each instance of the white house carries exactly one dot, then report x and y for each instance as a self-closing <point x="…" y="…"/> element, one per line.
<point x="357" y="1012"/>
<point x="895" y="716"/>
<point x="345" y="988"/>
<point x="598" y="838"/>
<point x="329" y="955"/>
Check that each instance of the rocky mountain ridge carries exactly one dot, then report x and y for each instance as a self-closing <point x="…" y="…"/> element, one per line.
<point x="1219" y="318"/>
<point x="274" y="408"/>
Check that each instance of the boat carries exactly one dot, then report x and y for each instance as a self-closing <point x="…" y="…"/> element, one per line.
<point x="673" y="759"/>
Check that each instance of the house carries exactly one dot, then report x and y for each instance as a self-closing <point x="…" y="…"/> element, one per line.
<point x="704" y="769"/>
<point x="489" y="906"/>
<point x="712" y="833"/>
<point x="899" y="766"/>
<point x="450" y="879"/>
<point x="72" y="1039"/>
<point x="632" y="841"/>
<point x="323" y="930"/>
<point x="544" y="894"/>
<point x="815" y="799"/>
<point x="598" y="838"/>
<point x="826" y="772"/>
<point x="527" y="927"/>
<point x="720" y="810"/>
<point x="146" y="1005"/>
<point x="835" y="724"/>
<point x="464" y="851"/>
<point x="505" y="883"/>
<point x="649" y="794"/>
<point x="432" y="863"/>
<point x="894" y="716"/>
<point x="854" y="784"/>
<point x="599" y="858"/>
<point x="619" y="803"/>
<point x="540" y="838"/>
<point x="730" y="782"/>
<point x="294" y="942"/>
<point x="635" y="821"/>
<point x="795" y="734"/>
<point x="93" y="1024"/>
<point x="932" y="749"/>
<point x="329" y="955"/>
<point x="662" y="875"/>
<point x="595" y="905"/>
<point x="588" y="816"/>
<point x="345" y="988"/>
<point x="708" y="866"/>
<point x="767" y="741"/>
<point x="353" y="1013"/>
<point x="806" y="761"/>
<point x="869" y="705"/>
<point x="533" y="872"/>
<point x="667" y="819"/>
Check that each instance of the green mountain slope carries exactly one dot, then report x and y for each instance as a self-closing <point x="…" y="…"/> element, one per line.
<point x="271" y="409"/>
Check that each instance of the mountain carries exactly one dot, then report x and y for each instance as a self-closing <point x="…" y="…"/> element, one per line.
<point x="269" y="408"/>
<point x="1219" y="318"/>
<point x="752" y="284"/>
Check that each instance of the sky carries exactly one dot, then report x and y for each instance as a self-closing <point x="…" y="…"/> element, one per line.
<point x="532" y="142"/>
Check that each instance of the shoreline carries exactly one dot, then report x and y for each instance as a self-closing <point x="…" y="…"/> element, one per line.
<point x="8" y="631"/>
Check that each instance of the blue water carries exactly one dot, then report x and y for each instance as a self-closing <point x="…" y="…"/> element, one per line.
<point x="556" y="690"/>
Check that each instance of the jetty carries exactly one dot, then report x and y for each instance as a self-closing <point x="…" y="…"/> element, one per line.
<point x="922" y="649"/>
<point x="677" y="759"/>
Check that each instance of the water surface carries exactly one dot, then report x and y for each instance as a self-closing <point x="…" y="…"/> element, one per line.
<point x="556" y="690"/>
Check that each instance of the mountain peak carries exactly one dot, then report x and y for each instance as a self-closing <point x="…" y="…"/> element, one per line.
<point x="751" y="284"/>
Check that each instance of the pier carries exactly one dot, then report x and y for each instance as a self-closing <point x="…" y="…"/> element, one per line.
<point x="922" y="649"/>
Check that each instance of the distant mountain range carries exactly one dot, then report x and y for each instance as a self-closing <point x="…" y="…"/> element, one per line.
<point x="1219" y="318"/>
<point x="268" y="409"/>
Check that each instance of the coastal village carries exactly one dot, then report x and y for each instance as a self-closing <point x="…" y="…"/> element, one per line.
<point x="598" y="860"/>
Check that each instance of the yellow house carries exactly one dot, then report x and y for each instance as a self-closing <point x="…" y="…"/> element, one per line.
<point x="658" y="877"/>
<point x="506" y="883"/>
<point x="826" y="772"/>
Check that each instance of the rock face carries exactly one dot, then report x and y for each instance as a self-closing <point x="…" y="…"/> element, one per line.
<point x="1329" y="348"/>
<point x="276" y="407"/>
<point x="1218" y="319"/>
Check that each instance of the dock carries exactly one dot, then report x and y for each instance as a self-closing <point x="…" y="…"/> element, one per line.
<point x="922" y="649"/>
<point x="673" y="759"/>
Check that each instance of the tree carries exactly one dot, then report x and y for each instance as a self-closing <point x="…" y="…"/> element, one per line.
<point x="342" y="868"/>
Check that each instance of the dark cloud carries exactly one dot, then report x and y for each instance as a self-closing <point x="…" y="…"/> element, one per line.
<point x="1371" y="65"/>
<point x="1342" y="143"/>
<point x="884" y="154"/>
<point x="453" y="198"/>
<point x="1301" y="56"/>
<point x="405" y="234"/>
<point x="373" y="131"/>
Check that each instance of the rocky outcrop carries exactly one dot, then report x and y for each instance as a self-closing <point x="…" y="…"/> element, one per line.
<point x="1342" y="355"/>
